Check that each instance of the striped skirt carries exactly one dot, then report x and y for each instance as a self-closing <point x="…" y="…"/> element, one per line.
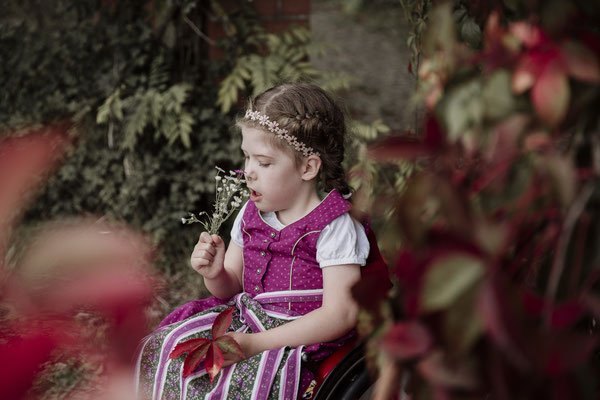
<point x="273" y="374"/>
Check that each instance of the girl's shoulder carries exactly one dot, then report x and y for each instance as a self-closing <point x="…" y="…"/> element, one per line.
<point x="344" y="223"/>
<point x="343" y="241"/>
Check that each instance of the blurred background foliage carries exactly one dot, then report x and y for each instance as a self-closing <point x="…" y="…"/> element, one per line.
<point x="496" y="278"/>
<point x="151" y="113"/>
<point x="479" y="209"/>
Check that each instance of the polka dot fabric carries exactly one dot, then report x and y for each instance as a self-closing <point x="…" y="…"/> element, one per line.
<point x="286" y="260"/>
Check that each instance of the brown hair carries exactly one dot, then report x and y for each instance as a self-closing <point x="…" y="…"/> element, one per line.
<point x="311" y="115"/>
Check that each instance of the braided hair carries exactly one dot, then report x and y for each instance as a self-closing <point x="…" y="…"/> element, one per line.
<point x="311" y="115"/>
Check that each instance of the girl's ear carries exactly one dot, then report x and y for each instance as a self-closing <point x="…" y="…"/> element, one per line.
<point x="311" y="167"/>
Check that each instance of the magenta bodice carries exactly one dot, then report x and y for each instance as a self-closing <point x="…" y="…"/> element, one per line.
<point x="285" y="260"/>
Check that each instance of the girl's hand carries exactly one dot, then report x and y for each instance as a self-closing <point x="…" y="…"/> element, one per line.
<point x="246" y="342"/>
<point x="208" y="255"/>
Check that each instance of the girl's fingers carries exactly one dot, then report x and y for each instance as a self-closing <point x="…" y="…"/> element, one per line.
<point x="203" y="254"/>
<point x="209" y="248"/>
<point x="199" y="262"/>
<point x="205" y="238"/>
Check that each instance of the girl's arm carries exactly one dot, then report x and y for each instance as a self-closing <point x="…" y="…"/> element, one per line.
<point x="332" y="320"/>
<point x="222" y="270"/>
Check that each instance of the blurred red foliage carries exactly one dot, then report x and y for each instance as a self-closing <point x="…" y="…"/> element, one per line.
<point x="84" y="264"/>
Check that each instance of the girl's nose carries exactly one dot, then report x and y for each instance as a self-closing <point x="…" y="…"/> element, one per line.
<point x="249" y="175"/>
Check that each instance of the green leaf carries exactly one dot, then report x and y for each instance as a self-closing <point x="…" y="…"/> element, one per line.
<point x="471" y="33"/>
<point x="497" y="95"/>
<point x="136" y="123"/>
<point x="462" y="108"/>
<point x="103" y="113"/>
<point x="440" y="34"/>
<point x="462" y="323"/>
<point x="448" y="278"/>
<point x="112" y="107"/>
<point x="230" y="347"/>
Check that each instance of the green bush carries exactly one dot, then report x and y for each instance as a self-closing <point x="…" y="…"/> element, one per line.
<point x="151" y="115"/>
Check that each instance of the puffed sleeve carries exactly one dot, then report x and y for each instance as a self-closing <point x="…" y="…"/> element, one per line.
<point x="236" y="230"/>
<point x="343" y="241"/>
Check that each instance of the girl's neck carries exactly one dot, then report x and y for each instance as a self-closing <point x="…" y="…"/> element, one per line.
<point x="304" y="203"/>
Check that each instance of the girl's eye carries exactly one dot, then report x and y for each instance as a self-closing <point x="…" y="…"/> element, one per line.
<point x="263" y="164"/>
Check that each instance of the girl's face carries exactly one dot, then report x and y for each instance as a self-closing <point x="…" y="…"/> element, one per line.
<point x="272" y="176"/>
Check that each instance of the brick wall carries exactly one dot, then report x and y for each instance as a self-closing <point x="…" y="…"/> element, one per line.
<point x="276" y="16"/>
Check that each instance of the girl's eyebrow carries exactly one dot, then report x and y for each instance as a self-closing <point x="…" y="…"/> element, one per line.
<point x="260" y="155"/>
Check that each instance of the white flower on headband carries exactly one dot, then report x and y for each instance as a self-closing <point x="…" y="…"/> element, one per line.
<point x="273" y="127"/>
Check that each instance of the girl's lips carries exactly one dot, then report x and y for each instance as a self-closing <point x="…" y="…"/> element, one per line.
<point x="254" y="195"/>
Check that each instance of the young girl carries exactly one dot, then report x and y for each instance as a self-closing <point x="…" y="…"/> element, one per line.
<point x="289" y="267"/>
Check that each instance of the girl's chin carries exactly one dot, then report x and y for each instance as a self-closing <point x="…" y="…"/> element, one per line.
<point x="262" y="207"/>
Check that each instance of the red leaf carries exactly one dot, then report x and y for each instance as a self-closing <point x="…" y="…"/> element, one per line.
<point x="370" y="292"/>
<point x="568" y="352"/>
<point x="407" y="269"/>
<point x="564" y="315"/>
<point x="493" y="31"/>
<point x="214" y="361"/>
<point x="530" y="35"/>
<point x="525" y="74"/>
<point x="24" y="160"/>
<point x="498" y="51"/>
<point x="433" y="137"/>
<point x="394" y="148"/>
<point x="22" y="358"/>
<point x="230" y="347"/>
<point x="409" y="273"/>
<point x="550" y="94"/>
<point x="109" y="290"/>
<point x="188" y="346"/>
<point x="222" y="322"/>
<point x="537" y="141"/>
<point x="194" y="358"/>
<point x="443" y="242"/>
<point x="407" y="340"/>
<point x="500" y="319"/>
<point x="494" y="173"/>
<point x="581" y="63"/>
<point x="438" y="371"/>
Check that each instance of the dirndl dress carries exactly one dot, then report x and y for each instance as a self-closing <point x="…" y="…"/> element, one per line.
<point x="282" y="281"/>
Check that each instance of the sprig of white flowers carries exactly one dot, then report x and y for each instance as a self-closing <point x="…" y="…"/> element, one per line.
<point x="230" y="195"/>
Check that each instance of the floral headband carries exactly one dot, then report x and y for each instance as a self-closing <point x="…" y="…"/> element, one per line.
<point x="273" y="127"/>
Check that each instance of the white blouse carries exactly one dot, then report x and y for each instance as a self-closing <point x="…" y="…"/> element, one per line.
<point x="342" y="241"/>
